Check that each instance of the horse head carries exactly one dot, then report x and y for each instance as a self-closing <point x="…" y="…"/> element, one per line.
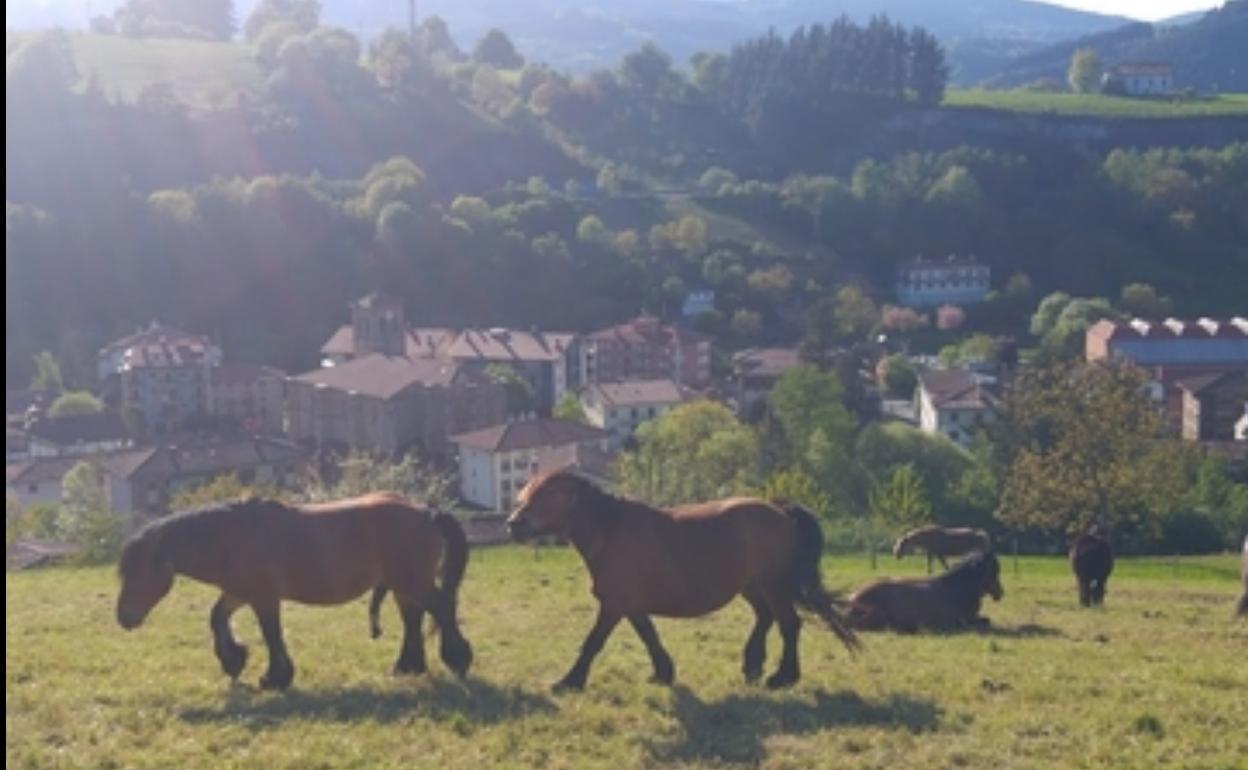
<point x="146" y="576"/>
<point x="990" y="580"/>
<point x="902" y="546"/>
<point x="547" y="504"/>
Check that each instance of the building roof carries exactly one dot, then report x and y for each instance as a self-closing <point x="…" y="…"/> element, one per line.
<point x="238" y="373"/>
<point x="529" y="434"/>
<point x="383" y="376"/>
<point x="1202" y="384"/>
<point x="119" y="464"/>
<point x="766" y="362"/>
<point x="167" y="352"/>
<point x="155" y="332"/>
<point x="211" y="458"/>
<point x="419" y="342"/>
<point x="952" y="261"/>
<point x="588" y="459"/>
<point x="16" y="402"/>
<point x="508" y="345"/>
<point x="1141" y="68"/>
<point x="956" y="389"/>
<point x="73" y="429"/>
<point x="1171" y="328"/>
<point x="379" y="299"/>
<point x="647" y="330"/>
<point x="637" y="392"/>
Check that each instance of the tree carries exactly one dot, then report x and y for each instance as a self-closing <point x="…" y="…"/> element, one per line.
<point x="1084" y="74"/>
<point x="902" y="320"/>
<point x="1080" y="444"/>
<point x="521" y="398"/>
<point x="222" y="489"/>
<point x="496" y="50"/>
<point x="75" y="402"/>
<point x="1142" y="300"/>
<point x="950" y="317"/>
<point x="86" y="518"/>
<point x="746" y="324"/>
<point x="897" y="375"/>
<point x="796" y="486"/>
<point x="806" y="400"/>
<point x="928" y="71"/>
<point x="47" y="374"/>
<point x="696" y="451"/>
<point x="900" y="503"/>
<point x="646" y="69"/>
<point x="299" y="16"/>
<point x="570" y="408"/>
<point x="847" y="316"/>
<point x="177" y="18"/>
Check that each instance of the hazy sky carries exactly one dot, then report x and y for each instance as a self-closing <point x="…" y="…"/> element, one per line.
<point x="1148" y="10"/>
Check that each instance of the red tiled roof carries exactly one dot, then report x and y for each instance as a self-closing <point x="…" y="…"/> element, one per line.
<point x="955" y="389"/>
<point x="383" y="376"/>
<point x="509" y="345"/>
<point x="633" y="392"/>
<point x="419" y="342"/>
<point x="529" y="434"/>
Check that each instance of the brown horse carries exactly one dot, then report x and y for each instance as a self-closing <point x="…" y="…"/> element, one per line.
<point x="1092" y="560"/>
<point x="1242" y="609"/>
<point x="684" y="563"/>
<point x="261" y="552"/>
<point x="950" y="600"/>
<point x="940" y="542"/>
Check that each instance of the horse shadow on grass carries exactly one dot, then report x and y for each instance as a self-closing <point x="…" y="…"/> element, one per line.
<point x="462" y="704"/>
<point x="1021" y="631"/>
<point x="735" y="730"/>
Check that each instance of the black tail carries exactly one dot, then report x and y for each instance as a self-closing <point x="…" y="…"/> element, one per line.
<point x="455" y="559"/>
<point x="1242" y="609"/>
<point x="808" y="582"/>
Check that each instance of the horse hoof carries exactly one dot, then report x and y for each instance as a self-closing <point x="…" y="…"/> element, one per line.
<point x="663" y="679"/>
<point x="567" y="685"/>
<point x="407" y="669"/>
<point x="780" y="681"/>
<point x="752" y="676"/>
<point x="272" y="681"/>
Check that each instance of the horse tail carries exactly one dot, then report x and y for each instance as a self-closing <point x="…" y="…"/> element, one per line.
<point x="455" y="558"/>
<point x="807" y="580"/>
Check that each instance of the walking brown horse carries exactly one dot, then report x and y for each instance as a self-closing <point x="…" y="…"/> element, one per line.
<point x="1092" y="560"/>
<point x="940" y="542"/>
<point x="949" y="600"/>
<point x="684" y="562"/>
<point x="262" y="552"/>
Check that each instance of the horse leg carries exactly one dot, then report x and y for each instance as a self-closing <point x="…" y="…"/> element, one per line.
<point x="281" y="670"/>
<point x="1085" y="593"/>
<point x="454" y="649"/>
<point x="929" y="562"/>
<point x="603" y="626"/>
<point x="943" y="564"/>
<point x="755" y="653"/>
<point x="412" y="651"/>
<point x="374" y="611"/>
<point x="231" y="654"/>
<point x="664" y="669"/>
<point x="790" y="628"/>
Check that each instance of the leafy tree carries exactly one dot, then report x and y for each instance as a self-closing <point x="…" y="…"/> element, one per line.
<point x="47" y="374"/>
<point x="496" y="50"/>
<point x="646" y="69"/>
<point x="1084" y="74"/>
<point x="696" y="451"/>
<point x="847" y="316"/>
<point x="902" y="320"/>
<point x="950" y="317"/>
<point x="298" y="16"/>
<point x="1081" y="444"/>
<point x="975" y="349"/>
<point x="222" y="489"/>
<point x="806" y="400"/>
<point x="928" y="72"/>
<point x="881" y="448"/>
<point x="75" y="402"/>
<point x="898" y="375"/>
<point x="900" y="503"/>
<point x="592" y="230"/>
<point x="86" y="518"/>
<point x="521" y="398"/>
<point x="177" y="18"/>
<point x="796" y="486"/>
<point x="1142" y="300"/>
<point x="570" y="408"/>
<point x="360" y="473"/>
<point x="746" y="324"/>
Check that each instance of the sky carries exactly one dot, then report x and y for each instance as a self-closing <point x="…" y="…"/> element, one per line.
<point x="1145" y="10"/>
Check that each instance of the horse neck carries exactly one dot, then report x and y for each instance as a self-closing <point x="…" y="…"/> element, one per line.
<point x="589" y="523"/>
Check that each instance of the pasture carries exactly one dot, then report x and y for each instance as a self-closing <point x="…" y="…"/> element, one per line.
<point x="1101" y="105"/>
<point x="1156" y="679"/>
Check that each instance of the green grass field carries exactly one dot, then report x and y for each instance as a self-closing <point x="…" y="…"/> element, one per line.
<point x="1101" y="105"/>
<point x="1157" y="679"/>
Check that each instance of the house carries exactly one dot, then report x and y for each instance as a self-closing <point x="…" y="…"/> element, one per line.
<point x="923" y="282"/>
<point x="696" y="303"/>
<point x="249" y="397"/>
<point x="619" y="407"/>
<point x="1171" y="351"/>
<point x="1139" y="79"/>
<point x="378" y="325"/>
<point x="76" y="435"/>
<point x="389" y="404"/>
<point x="38" y="480"/>
<point x="646" y="349"/>
<point x="757" y="370"/>
<point x="496" y="462"/>
<point x="953" y="403"/>
<point x="1213" y="404"/>
<point x="163" y="372"/>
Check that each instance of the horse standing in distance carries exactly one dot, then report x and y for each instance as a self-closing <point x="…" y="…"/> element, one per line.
<point x="951" y="600"/>
<point x="942" y="542"/>
<point x="1092" y="559"/>
<point x="684" y="562"/>
<point x="261" y="552"/>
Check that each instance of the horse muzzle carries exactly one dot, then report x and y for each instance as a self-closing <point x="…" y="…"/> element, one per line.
<point x="129" y="619"/>
<point x="520" y="530"/>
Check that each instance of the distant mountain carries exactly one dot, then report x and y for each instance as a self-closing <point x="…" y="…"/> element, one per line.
<point x="582" y="35"/>
<point x="1207" y="54"/>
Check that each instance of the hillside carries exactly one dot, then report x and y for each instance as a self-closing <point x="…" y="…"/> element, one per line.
<point x="1206" y="54"/>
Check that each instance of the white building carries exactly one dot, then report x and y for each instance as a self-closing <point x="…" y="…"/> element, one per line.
<point x="496" y="462"/>
<point x="954" y="403"/>
<point x="953" y="281"/>
<point x="619" y="407"/>
<point x="1151" y="79"/>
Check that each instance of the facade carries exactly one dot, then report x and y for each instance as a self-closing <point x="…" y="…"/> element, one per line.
<point x="389" y="404"/>
<point x="620" y="407"/>
<point x="925" y="282"/>
<point x="757" y="370"/>
<point x="696" y="303"/>
<point x="646" y="349"/>
<point x="496" y="462"/>
<point x="953" y="403"/>
<point x="76" y="435"/>
<point x="1213" y="404"/>
<point x="249" y="397"/>
<point x="1151" y="79"/>
<point x="163" y="373"/>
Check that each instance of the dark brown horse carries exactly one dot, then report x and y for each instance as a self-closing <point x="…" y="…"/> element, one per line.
<point x="942" y="542"/>
<point x="1092" y="559"/>
<point x="684" y="563"/>
<point x="261" y="552"/>
<point x="950" y="600"/>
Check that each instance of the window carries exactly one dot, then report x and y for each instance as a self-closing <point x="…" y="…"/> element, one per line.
<point x="506" y="485"/>
<point x="650" y="412"/>
<point x="505" y="464"/>
<point x="633" y="413"/>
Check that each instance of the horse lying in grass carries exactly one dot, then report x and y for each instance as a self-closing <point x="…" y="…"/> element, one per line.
<point x="684" y="562"/>
<point x="948" y="601"/>
<point x="262" y="552"/>
<point x="942" y="542"/>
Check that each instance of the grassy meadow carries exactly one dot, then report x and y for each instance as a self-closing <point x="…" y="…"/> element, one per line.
<point x="1156" y="679"/>
<point x="1099" y="105"/>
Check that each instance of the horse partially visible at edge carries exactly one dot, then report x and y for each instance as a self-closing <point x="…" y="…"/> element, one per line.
<point x="941" y="542"/>
<point x="684" y="562"/>
<point x="947" y="601"/>
<point x="1242" y="609"/>
<point x="263" y="552"/>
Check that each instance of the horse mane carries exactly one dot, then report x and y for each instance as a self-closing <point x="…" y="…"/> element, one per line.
<point x="968" y="571"/>
<point x="166" y="528"/>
